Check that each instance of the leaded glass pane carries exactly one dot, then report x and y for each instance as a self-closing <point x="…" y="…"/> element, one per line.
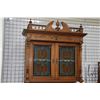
<point x="67" y="61"/>
<point x="42" y="60"/>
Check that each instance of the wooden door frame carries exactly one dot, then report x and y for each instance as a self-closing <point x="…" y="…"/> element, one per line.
<point x="41" y="78"/>
<point x="74" y="78"/>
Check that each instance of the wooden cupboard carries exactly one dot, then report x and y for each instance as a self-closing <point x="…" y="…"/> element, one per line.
<point x="53" y="54"/>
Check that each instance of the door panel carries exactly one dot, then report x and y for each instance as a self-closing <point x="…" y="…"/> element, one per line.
<point x="67" y="61"/>
<point x="42" y="68"/>
<point x="42" y="60"/>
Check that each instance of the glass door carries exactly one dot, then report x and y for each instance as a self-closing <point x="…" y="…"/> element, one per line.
<point x="67" y="61"/>
<point x="42" y="60"/>
<point x="42" y="66"/>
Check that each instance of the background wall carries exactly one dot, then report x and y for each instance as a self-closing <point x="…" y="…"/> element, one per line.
<point x="1" y="39"/>
<point x="13" y="51"/>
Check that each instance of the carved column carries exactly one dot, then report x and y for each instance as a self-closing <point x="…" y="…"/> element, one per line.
<point x="27" y="53"/>
<point x="80" y="63"/>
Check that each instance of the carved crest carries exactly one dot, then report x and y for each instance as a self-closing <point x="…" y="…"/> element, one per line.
<point x="65" y="27"/>
<point x="49" y="26"/>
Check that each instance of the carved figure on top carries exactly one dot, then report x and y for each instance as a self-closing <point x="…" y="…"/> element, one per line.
<point x="49" y="26"/>
<point x="58" y="27"/>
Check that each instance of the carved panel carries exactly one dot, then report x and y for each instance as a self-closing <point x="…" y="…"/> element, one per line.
<point x="60" y="38"/>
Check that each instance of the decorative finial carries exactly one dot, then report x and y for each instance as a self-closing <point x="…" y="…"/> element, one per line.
<point x="57" y="24"/>
<point x="29" y="25"/>
<point x="81" y="28"/>
<point x="30" y="21"/>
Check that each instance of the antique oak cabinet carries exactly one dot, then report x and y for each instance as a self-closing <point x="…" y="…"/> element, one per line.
<point x="53" y="52"/>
